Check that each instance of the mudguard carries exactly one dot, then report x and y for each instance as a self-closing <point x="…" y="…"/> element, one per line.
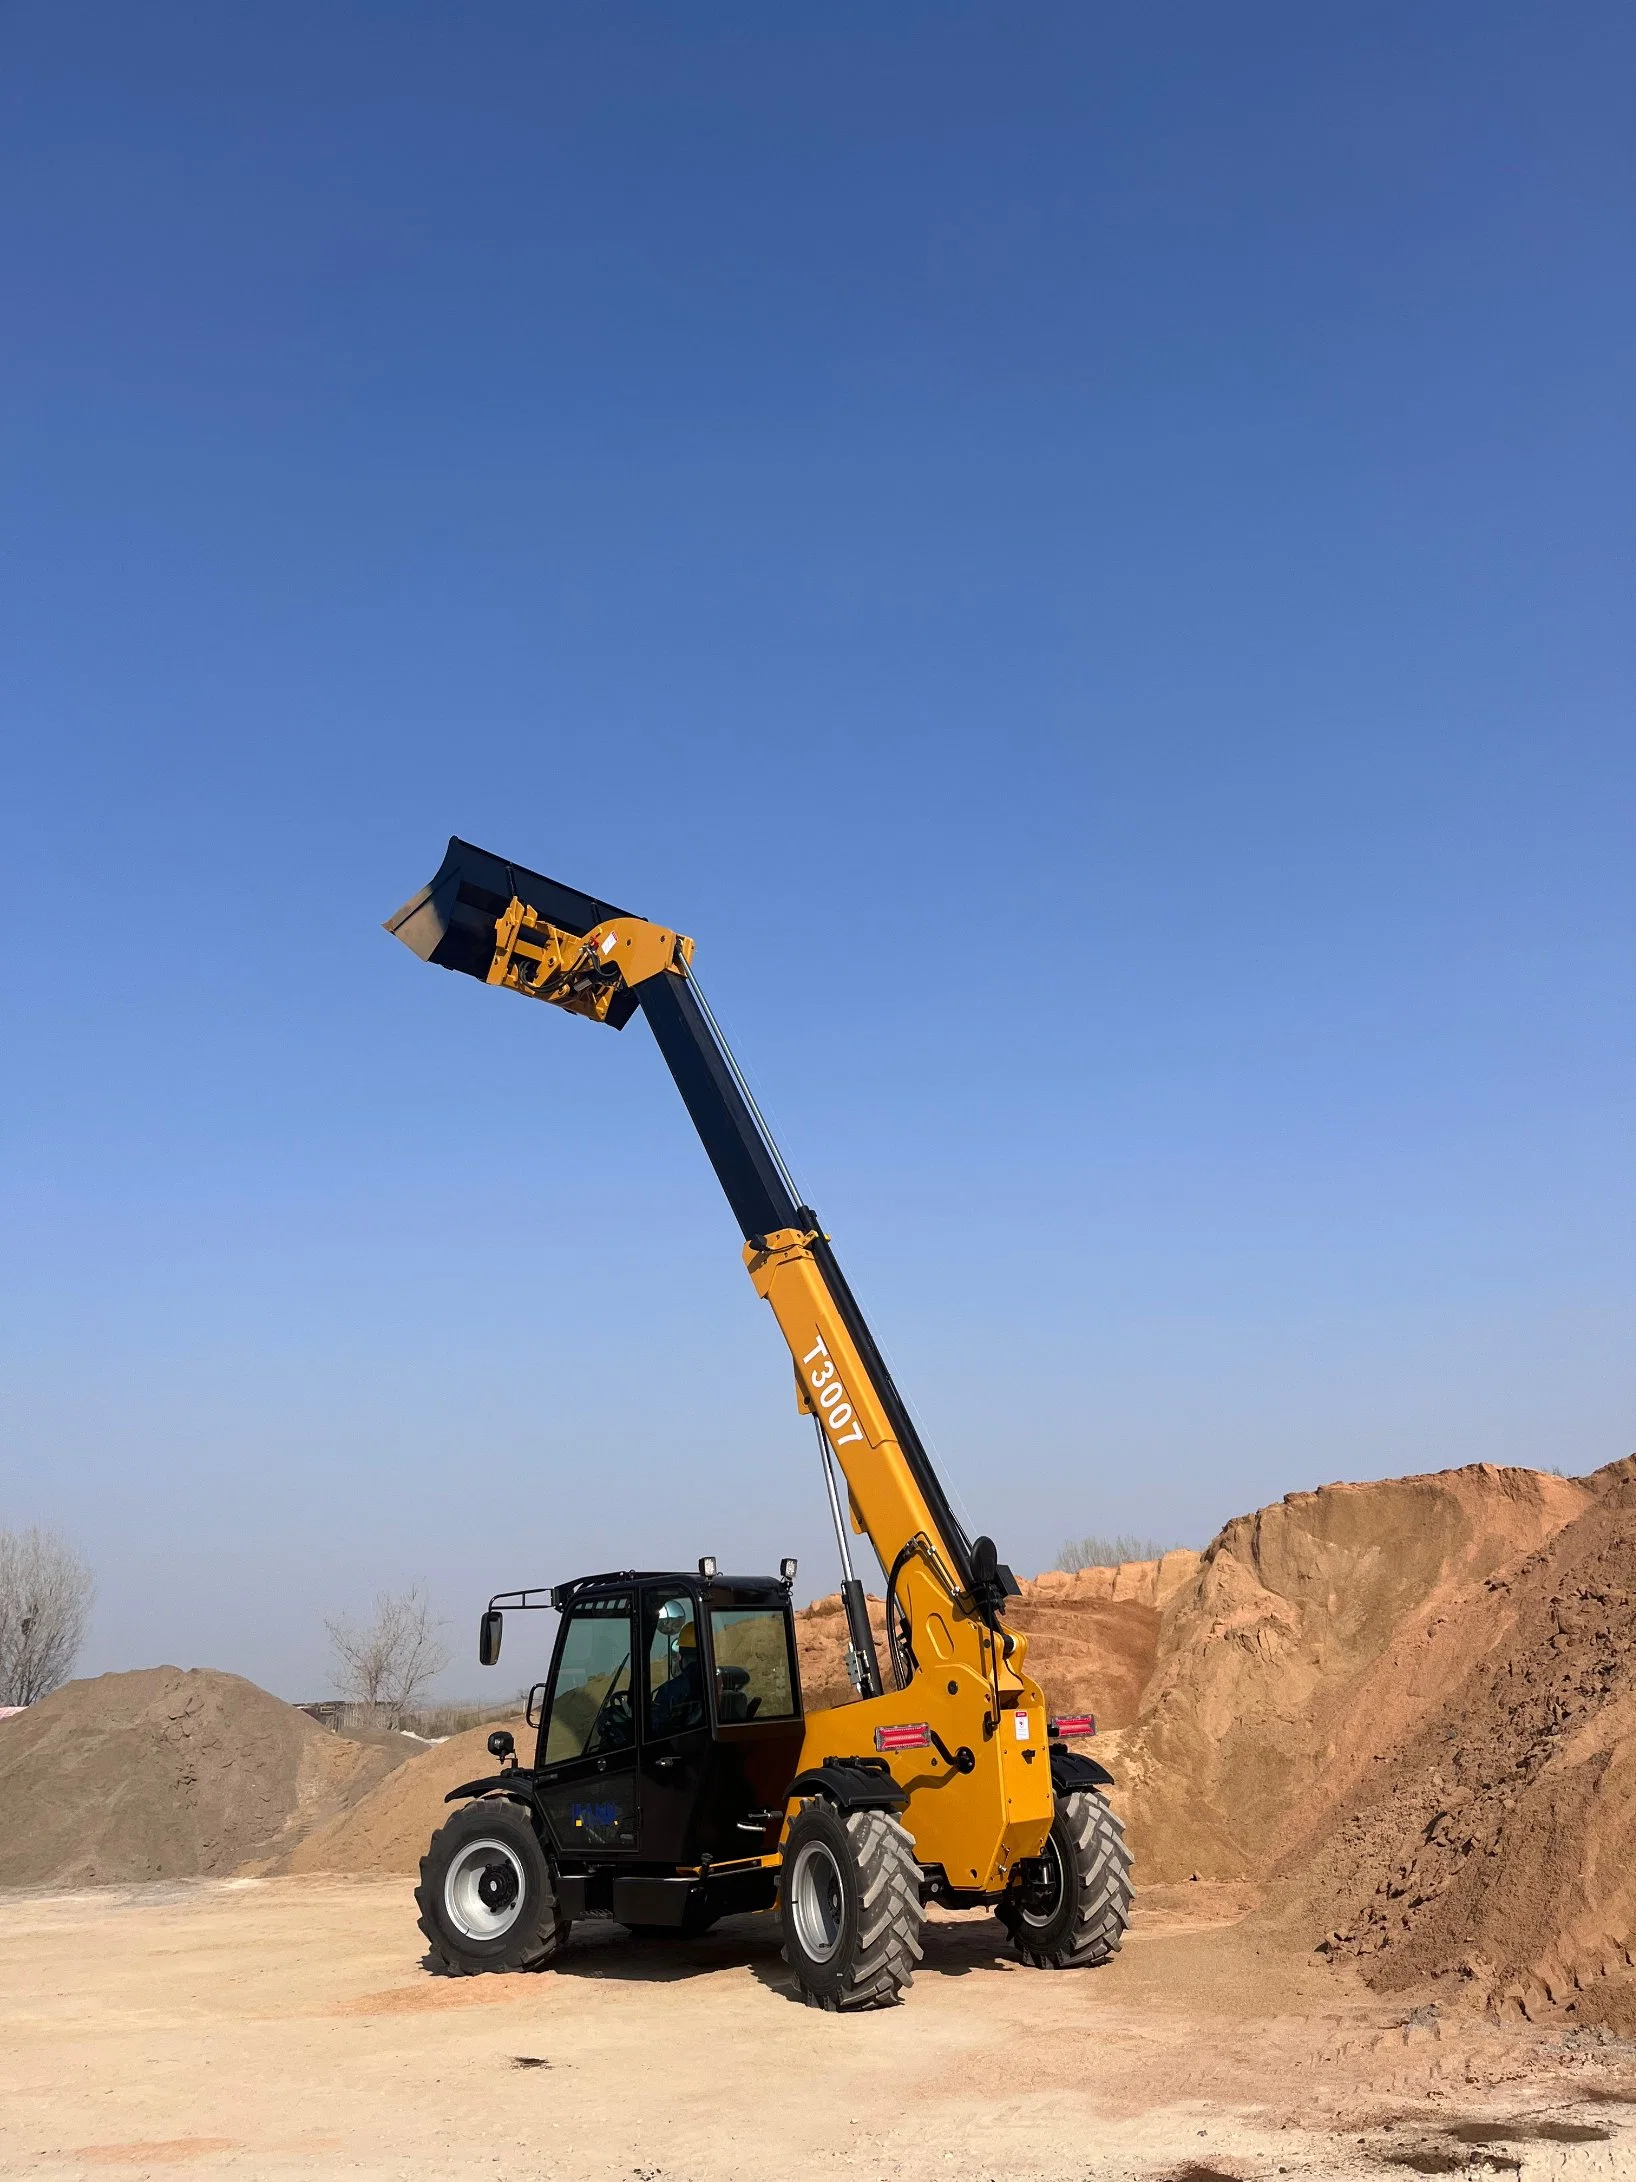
<point x="1069" y="1770"/>
<point x="851" y="1784"/>
<point x="518" y="1784"/>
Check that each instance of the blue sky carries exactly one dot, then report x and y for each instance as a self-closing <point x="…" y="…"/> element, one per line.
<point x="1084" y="553"/>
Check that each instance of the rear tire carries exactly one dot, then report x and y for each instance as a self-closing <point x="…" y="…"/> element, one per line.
<point x="849" y="1901"/>
<point x="1075" y="1914"/>
<point x="485" y="1894"/>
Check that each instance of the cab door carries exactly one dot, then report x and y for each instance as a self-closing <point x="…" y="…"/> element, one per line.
<point x="755" y="1690"/>
<point x="676" y="1739"/>
<point x="721" y="1723"/>
<point x="585" y="1774"/>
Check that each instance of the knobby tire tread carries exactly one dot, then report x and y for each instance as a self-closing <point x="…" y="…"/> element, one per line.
<point x="1101" y="1879"/>
<point x="890" y="1916"/>
<point x="533" y="1951"/>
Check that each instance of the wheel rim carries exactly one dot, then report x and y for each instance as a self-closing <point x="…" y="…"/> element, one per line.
<point x="1042" y="1902"/>
<point x="817" y="1901"/>
<point x="483" y="1891"/>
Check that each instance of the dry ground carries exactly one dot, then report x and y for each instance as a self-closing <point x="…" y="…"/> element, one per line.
<point x="281" y="2027"/>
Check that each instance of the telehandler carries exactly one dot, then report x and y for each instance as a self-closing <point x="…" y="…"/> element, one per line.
<point x="676" y="1777"/>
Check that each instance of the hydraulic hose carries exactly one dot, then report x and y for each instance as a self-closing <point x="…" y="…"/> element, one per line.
<point x="898" y="1641"/>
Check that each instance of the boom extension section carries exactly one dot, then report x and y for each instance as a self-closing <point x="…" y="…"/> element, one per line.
<point x="979" y="1777"/>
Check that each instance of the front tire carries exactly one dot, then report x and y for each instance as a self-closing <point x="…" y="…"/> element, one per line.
<point x="485" y="1894"/>
<point x="1073" y="1912"/>
<point x="849" y="1900"/>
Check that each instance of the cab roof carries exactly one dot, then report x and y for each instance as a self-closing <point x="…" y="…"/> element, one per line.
<point x="686" y="1579"/>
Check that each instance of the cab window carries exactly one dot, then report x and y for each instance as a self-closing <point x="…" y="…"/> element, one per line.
<point x="591" y="1699"/>
<point x="753" y="1678"/>
<point x="675" y="1668"/>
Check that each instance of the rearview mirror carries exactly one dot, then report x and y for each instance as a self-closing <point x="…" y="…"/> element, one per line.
<point x="488" y="1637"/>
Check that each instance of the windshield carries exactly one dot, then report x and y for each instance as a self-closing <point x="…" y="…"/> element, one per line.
<point x="591" y="1703"/>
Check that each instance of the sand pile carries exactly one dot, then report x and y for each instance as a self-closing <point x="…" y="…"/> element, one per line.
<point x="1411" y="1705"/>
<point x="1312" y="1636"/>
<point x="166" y="1774"/>
<point x="387" y="1830"/>
<point x="1499" y="1853"/>
<point x="1093" y="1637"/>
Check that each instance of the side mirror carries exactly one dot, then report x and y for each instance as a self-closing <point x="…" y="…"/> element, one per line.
<point x="488" y="1637"/>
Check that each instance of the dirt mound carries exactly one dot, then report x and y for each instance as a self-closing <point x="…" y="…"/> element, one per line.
<point x="1500" y="1852"/>
<point x="165" y="1774"/>
<point x="1093" y="1637"/>
<point x="387" y="1830"/>
<point x="1313" y="1635"/>
<point x="1410" y="1706"/>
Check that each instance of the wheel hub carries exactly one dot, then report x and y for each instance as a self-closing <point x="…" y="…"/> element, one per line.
<point x="483" y="1891"/>
<point x="817" y="1902"/>
<point x="1042" y="1890"/>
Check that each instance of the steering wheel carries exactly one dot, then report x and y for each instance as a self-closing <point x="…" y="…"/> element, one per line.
<point x="614" y="1727"/>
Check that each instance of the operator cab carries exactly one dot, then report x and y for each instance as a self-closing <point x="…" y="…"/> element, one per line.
<point x="670" y="1727"/>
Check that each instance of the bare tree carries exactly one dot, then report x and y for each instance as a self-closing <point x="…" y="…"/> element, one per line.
<point x="45" y="1605"/>
<point x="386" y="1661"/>
<point x="1094" y="1552"/>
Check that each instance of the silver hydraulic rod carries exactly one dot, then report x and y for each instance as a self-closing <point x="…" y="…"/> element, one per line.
<point x="862" y="1660"/>
<point x="834" y="1504"/>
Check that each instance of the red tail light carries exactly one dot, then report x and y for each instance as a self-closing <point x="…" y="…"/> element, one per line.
<point x="917" y="1737"/>
<point x="1074" y="1723"/>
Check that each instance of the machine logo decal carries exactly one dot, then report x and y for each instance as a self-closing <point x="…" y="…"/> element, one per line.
<point x="596" y="1814"/>
<point x="830" y="1396"/>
